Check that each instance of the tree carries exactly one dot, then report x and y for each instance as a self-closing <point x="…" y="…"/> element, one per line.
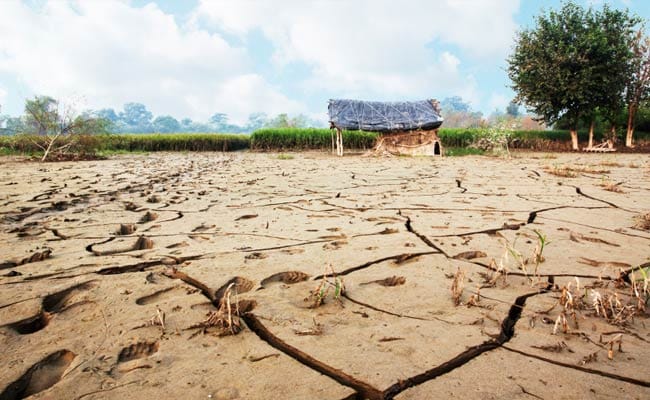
<point x="107" y="114"/>
<point x="513" y="109"/>
<point x="611" y="34"/>
<point x="280" y="121"/>
<point x="638" y="86"/>
<point x="136" y="117"/>
<point x="459" y="114"/>
<point x="166" y="124"/>
<point x="454" y="104"/>
<point x="48" y="119"/>
<point x="256" y="121"/>
<point x="572" y="63"/>
<point x="219" y="121"/>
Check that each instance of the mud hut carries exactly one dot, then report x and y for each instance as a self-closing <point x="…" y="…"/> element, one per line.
<point x="405" y="128"/>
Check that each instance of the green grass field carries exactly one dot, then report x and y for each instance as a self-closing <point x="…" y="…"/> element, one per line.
<point x="456" y="140"/>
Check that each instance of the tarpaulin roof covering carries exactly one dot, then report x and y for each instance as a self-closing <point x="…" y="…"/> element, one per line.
<point x="377" y="116"/>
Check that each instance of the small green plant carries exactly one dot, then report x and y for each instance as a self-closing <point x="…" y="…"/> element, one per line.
<point x="538" y="252"/>
<point x="330" y="280"/>
<point x="285" y="157"/>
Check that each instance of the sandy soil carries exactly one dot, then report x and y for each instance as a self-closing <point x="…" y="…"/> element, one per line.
<point x="127" y="278"/>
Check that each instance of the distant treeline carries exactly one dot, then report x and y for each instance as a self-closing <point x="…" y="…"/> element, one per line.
<point x="284" y="139"/>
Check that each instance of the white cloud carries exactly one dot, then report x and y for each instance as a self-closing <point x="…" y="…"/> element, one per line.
<point x="375" y="47"/>
<point x="498" y="101"/>
<point x="111" y="53"/>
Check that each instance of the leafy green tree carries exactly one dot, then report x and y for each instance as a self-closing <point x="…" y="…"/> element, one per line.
<point x="280" y="121"/>
<point x="454" y="104"/>
<point x="107" y="114"/>
<point x="256" y="121"/>
<point x="136" y="117"/>
<point x="513" y="109"/>
<point x="219" y="121"/>
<point x="166" y="124"/>
<point x="573" y="62"/>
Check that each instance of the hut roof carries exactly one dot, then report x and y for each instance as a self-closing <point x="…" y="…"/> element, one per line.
<point x="379" y="116"/>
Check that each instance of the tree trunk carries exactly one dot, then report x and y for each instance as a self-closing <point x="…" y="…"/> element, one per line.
<point x="574" y="138"/>
<point x="612" y="133"/>
<point x="630" y="125"/>
<point x="591" y="135"/>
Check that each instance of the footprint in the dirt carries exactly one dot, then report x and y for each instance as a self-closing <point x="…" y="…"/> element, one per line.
<point x="287" y="277"/>
<point x="470" y="255"/>
<point x="177" y="245"/>
<point x="388" y="282"/>
<point x="603" y="264"/>
<point x="34" y="257"/>
<point x="237" y="284"/>
<point x="59" y="301"/>
<point x="40" y="376"/>
<point x="335" y="245"/>
<point x="126" y="229"/>
<point x="142" y="243"/>
<point x="578" y="237"/>
<point x="137" y="350"/>
<point x="161" y="295"/>
<point x="256" y="256"/>
<point x="32" y="324"/>
<point x="52" y="304"/>
<point x="293" y="251"/>
<point x="148" y="217"/>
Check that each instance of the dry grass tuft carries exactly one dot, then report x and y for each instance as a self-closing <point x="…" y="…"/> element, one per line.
<point x="571" y="171"/>
<point x="561" y="171"/>
<point x="642" y="222"/>
<point x="610" y="164"/>
<point x="612" y="187"/>
<point x="226" y="320"/>
<point x="457" y="287"/>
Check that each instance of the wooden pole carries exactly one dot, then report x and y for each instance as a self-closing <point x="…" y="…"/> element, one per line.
<point x="339" y="142"/>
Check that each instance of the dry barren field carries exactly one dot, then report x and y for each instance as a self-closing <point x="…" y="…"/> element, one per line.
<point x="253" y="276"/>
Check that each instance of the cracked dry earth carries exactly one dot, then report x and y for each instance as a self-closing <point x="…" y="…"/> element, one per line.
<point x="114" y="275"/>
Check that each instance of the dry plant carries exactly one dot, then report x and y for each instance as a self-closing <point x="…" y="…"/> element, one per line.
<point x="571" y="171"/>
<point x="226" y="319"/>
<point x="158" y="319"/>
<point x="617" y="306"/>
<point x="610" y="186"/>
<point x="315" y="330"/>
<point x="318" y="296"/>
<point x="610" y="164"/>
<point x="457" y="286"/>
<point x="562" y="171"/>
<point x="642" y="222"/>
<point x="475" y="298"/>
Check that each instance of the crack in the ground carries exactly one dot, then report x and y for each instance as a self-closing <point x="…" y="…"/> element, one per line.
<point x="399" y="258"/>
<point x="581" y="193"/>
<point x="362" y="304"/>
<point x="582" y="369"/>
<point x="507" y="331"/>
<point x="262" y="332"/>
<point x="492" y="231"/>
<point x="459" y="183"/>
<point x="423" y="238"/>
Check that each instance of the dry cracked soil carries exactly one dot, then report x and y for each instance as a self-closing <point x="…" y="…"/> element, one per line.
<point x="253" y="276"/>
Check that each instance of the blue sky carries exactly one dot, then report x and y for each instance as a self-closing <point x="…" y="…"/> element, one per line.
<point x="199" y="57"/>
